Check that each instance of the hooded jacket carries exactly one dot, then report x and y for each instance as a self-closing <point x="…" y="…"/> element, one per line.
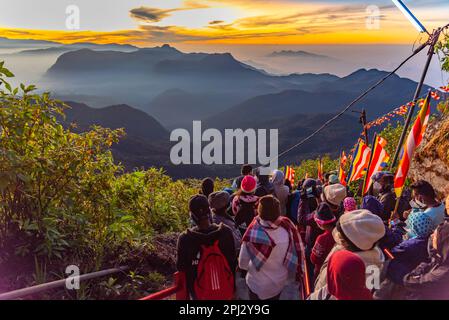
<point x="361" y="230"/>
<point x="388" y="200"/>
<point x="230" y="222"/>
<point x="373" y="257"/>
<point x="407" y="256"/>
<point x="281" y="191"/>
<point x="189" y="249"/>
<point x="345" y="279"/>
<point x="430" y="281"/>
<point x="264" y="186"/>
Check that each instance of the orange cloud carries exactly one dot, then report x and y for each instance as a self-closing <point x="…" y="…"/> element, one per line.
<point x="288" y="24"/>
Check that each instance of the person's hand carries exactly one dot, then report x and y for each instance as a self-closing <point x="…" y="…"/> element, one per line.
<point x="405" y="214"/>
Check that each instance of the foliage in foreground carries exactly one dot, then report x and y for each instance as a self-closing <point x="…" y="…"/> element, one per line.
<point x="64" y="201"/>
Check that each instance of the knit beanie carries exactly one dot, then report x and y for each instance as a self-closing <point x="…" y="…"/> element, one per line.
<point x="219" y="200"/>
<point x="335" y="194"/>
<point x="323" y="215"/>
<point x="349" y="204"/>
<point x="199" y="207"/>
<point x="249" y="184"/>
<point x="362" y="228"/>
<point x="269" y="208"/>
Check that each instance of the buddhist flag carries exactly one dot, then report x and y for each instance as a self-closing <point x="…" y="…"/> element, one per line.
<point x="360" y="162"/>
<point x="379" y="161"/>
<point x="341" y="172"/>
<point x="320" y="170"/>
<point x="290" y="174"/>
<point x="413" y="141"/>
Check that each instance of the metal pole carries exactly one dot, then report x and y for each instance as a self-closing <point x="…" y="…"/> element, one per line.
<point x="432" y="42"/>
<point x="363" y="121"/>
<point x="56" y="284"/>
<point x="394" y="214"/>
<point x="365" y="129"/>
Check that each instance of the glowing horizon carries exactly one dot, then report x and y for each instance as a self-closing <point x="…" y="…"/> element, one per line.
<point x="270" y="22"/>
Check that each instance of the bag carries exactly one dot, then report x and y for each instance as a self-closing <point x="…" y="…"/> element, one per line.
<point x="215" y="279"/>
<point x="292" y="208"/>
<point x="245" y="214"/>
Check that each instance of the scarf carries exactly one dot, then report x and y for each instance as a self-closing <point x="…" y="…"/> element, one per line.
<point x="260" y="245"/>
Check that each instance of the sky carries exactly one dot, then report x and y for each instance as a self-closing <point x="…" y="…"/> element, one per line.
<point x="219" y="22"/>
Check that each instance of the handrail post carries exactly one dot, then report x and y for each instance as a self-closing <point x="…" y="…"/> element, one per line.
<point x="181" y="284"/>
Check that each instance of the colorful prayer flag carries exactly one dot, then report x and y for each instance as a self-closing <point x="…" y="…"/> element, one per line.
<point x="290" y="174"/>
<point x="341" y="172"/>
<point x="361" y="159"/>
<point x="320" y="170"/>
<point x="413" y="141"/>
<point x="379" y="161"/>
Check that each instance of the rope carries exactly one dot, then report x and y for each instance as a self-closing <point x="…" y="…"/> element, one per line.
<point x="360" y="97"/>
<point x="342" y="112"/>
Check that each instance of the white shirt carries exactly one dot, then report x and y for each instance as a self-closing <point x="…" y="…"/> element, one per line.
<point x="271" y="279"/>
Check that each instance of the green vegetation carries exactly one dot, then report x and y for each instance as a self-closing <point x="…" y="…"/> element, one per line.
<point x="64" y="201"/>
<point x="310" y="167"/>
<point x="443" y="52"/>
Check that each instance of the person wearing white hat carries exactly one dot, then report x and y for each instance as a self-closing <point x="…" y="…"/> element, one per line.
<point x="357" y="231"/>
<point x="334" y="195"/>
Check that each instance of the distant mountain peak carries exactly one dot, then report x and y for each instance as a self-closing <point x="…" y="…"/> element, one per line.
<point x="165" y="48"/>
<point x="364" y="73"/>
<point x="298" y="54"/>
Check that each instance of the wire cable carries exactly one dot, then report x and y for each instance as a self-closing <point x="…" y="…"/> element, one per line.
<point x="360" y="97"/>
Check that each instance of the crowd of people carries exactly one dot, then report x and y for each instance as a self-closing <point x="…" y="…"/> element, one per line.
<point x="266" y="230"/>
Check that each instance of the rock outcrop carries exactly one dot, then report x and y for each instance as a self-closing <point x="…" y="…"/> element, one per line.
<point x="431" y="161"/>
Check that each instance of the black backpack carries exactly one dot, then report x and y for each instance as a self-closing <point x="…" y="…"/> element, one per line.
<point x="244" y="215"/>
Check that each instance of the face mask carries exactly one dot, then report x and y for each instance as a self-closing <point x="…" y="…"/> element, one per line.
<point x="377" y="187"/>
<point x="420" y="204"/>
<point x="416" y="204"/>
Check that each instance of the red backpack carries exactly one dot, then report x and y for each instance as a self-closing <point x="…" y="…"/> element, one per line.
<point x="215" y="280"/>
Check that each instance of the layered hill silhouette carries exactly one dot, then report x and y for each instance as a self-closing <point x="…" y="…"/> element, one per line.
<point x="326" y="97"/>
<point x="297" y="54"/>
<point x="140" y="77"/>
<point x="169" y="89"/>
<point x="147" y="143"/>
<point x="44" y="47"/>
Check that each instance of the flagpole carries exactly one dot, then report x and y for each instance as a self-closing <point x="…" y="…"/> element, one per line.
<point x="369" y="164"/>
<point x="398" y="199"/>
<point x="432" y="42"/>
<point x="363" y="120"/>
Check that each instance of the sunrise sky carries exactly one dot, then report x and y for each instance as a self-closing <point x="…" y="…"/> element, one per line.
<point x="210" y="22"/>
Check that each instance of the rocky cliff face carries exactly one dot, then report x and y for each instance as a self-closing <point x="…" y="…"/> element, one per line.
<point x="431" y="161"/>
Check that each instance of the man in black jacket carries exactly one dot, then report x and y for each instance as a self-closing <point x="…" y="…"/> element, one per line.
<point x="264" y="186"/>
<point x="205" y="233"/>
<point x="247" y="169"/>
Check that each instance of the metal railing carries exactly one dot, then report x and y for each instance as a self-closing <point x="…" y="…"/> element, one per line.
<point x="21" y="293"/>
<point x="179" y="289"/>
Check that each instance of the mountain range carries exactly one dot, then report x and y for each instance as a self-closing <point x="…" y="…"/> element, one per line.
<point x="297" y="54"/>
<point x="150" y="91"/>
